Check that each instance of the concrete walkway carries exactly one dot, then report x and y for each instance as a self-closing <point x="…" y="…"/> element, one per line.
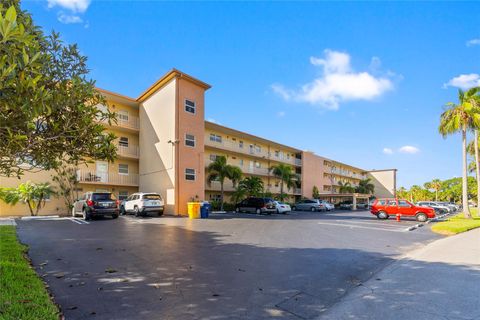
<point x="439" y="281"/>
<point x="7" y="222"/>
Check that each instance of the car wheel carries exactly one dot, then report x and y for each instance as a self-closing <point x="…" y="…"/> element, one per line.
<point x="122" y="210"/>
<point x="160" y="213"/>
<point x="421" y="217"/>
<point x="382" y="215"/>
<point x="313" y="209"/>
<point x="136" y="211"/>
<point x="114" y="216"/>
<point x="278" y="211"/>
<point x="237" y="210"/>
<point x="294" y="208"/>
<point x="258" y="211"/>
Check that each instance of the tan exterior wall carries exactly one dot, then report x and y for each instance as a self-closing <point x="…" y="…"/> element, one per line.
<point x="190" y="157"/>
<point x="312" y="174"/>
<point x="157" y="160"/>
<point x="385" y="182"/>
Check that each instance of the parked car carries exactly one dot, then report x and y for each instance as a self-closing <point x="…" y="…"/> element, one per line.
<point x="141" y="203"/>
<point x="383" y="208"/>
<point x="309" y="205"/>
<point x="439" y="208"/>
<point x="257" y="205"/>
<point x="345" y="205"/>
<point x="362" y="205"/>
<point x="451" y="205"/>
<point x="94" y="204"/>
<point x="328" y="205"/>
<point x="282" y="207"/>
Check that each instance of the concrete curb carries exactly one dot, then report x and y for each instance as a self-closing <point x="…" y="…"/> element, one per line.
<point x="39" y="217"/>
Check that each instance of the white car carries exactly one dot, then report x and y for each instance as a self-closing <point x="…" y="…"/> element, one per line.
<point x="329" y="206"/>
<point x="141" y="203"/>
<point x="282" y="207"/>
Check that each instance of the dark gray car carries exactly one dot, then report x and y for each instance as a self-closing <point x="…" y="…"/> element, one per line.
<point x="309" y="205"/>
<point x="96" y="204"/>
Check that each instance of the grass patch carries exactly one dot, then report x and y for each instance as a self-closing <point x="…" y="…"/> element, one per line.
<point x="458" y="223"/>
<point x="22" y="293"/>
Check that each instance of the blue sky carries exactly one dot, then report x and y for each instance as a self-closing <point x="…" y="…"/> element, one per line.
<point x="362" y="83"/>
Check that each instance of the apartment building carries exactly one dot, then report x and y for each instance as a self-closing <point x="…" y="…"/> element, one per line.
<point x="164" y="145"/>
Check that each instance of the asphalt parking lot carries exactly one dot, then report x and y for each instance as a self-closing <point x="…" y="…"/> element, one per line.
<point x="231" y="266"/>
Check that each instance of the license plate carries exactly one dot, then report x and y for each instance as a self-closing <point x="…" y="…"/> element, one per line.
<point x="103" y="204"/>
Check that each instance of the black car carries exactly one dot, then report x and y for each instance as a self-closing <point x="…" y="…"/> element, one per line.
<point x="257" y="205"/>
<point x="96" y="204"/>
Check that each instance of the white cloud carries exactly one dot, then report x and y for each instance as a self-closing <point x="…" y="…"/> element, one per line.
<point x="72" y="5"/>
<point x="464" y="81"/>
<point x="387" y="151"/>
<point x="337" y="83"/>
<point x="473" y="42"/>
<point x="281" y="114"/>
<point x="409" y="149"/>
<point x="68" y="19"/>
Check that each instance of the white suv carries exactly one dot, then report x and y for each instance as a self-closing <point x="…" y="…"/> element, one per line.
<point x="141" y="203"/>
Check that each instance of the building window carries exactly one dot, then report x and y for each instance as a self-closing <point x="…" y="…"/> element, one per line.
<point x="190" y="106"/>
<point x="122" y="194"/>
<point x="241" y="162"/>
<point x="190" y="140"/>
<point x="257" y="164"/>
<point x="215" y="197"/>
<point x="258" y="149"/>
<point x="213" y="157"/>
<point x="288" y="156"/>
<point x="122" y="115"/>
<point x="123" y="168"/>
<point x="123" y="142"/>
<point x="240" y="144"/>
<point x="215" y="138"/>
<point x="189" y="174"/>
<point x="277" y="154"/>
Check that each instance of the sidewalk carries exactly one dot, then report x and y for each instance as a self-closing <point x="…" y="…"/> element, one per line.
<point x="439" y="281"/>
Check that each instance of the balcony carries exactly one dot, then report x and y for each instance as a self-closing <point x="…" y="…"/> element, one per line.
<point x="132" y="123"/>
<point x="246" y="169"/>
<point x="130" y="151"/>
<point x="111" y="178"/>
<point x="215" y="186"/>
<point x="235" y="147"/>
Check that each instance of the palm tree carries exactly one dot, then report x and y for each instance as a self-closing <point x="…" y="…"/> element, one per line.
<point x="402" y="193"/>
<point x="365" y="186"/>
<point x="253" y="186"/>
<point x="286" y="175"/>
<point x="219" y="170"/>
<point x="460" y="118"/>
<point x="33" y="194"/>
<point x="415" y="193"/>
<point x="472" y="97"/>
<point x="345" y="187"/>
<point x="436" y="185"/>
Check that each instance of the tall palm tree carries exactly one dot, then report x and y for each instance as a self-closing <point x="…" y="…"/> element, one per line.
<point x="345" y="187"/>
<point x="365" y="186"/>
<point x="286" y="175"/>
<point x="253" y="186"/>
<point x="435" y="185"/>
<point x="461" y="117"/>
<point x="415" y="193"/>
<point x="472" y="96"/>
<point x="219" y="170"/>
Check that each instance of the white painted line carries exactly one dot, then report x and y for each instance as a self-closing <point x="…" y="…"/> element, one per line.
<point x="359" y="227"/>
<point x="39" y="217"/>
<point x="393" y="225"/>
<point x="80" y="221"/>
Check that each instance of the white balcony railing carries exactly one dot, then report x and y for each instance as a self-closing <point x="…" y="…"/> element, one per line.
<point x="130" y="151"/>
<point x="245" y="168"/>
<point x="232" y="146"/>
<point x="88" y="176"/>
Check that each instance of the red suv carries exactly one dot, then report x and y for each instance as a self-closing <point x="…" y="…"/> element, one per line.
<point x="383" y="208"/>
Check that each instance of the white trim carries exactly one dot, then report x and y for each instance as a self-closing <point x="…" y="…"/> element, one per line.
<point x="194" y="106"/>
<point x="194" y="140"/>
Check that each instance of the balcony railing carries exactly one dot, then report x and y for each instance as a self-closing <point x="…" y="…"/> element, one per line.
<point x="235" y="147"/>
<point x="130" y="151"/>
<point x="246" y="169"/>
<point x="87" y="176"/>
<point x="131" y="123"/>
<point x="215" y="186"/>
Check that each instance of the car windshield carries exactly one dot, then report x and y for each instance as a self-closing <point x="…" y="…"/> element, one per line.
<point x="102" y="196"/>
<point x="151" y="197"/>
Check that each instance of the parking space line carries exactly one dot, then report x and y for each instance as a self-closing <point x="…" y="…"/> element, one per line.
<point x="375" y="223"/>
<point x="79" y="221"/>
<point x="348" y="225"/>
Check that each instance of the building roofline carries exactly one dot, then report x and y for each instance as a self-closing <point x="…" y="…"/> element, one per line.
<point x="115" y="94"/>
<point x="166" y="78"/>
<point x="380" y="170"/>
<point x="251" y="136"/>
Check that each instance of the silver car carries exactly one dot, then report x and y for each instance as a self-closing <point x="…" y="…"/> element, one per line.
<point x="436" y="206"/>
<point x="309" y="205"/>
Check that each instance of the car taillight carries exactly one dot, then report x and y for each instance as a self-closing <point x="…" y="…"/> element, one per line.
<point x="90" y="203"/>
<point x="118" y="202"/>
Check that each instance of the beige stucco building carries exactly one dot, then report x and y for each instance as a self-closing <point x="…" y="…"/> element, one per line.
<point x="164" y="145"/>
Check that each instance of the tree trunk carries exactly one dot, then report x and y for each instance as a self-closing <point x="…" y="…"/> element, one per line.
<point x="281" y="190"/>
<point x="30" y="208"/>
<point x="221" y="195"/>
<point x="466" y="210"/>
<point x="477" y="166"/>
<point x="436" y="194"/>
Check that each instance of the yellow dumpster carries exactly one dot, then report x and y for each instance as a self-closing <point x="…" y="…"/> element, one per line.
<point x="193" y="210"/>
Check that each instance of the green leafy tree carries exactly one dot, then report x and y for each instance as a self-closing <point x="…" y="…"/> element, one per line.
<point x="365" y="186"/>
<point x="48" y="107"/>
<point x="253" y="186"/>
<point x="435" y="185"/>
<point x="402" y="193"/>
<point x="315" y="193"/>
<point x="33" y="194"/>
<point x="67" y="182"/>
<point x="219" y="170"/>
<point x="345" y="187"/>
<point x="287" y="177"/>
<point x="461" y="117"/>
